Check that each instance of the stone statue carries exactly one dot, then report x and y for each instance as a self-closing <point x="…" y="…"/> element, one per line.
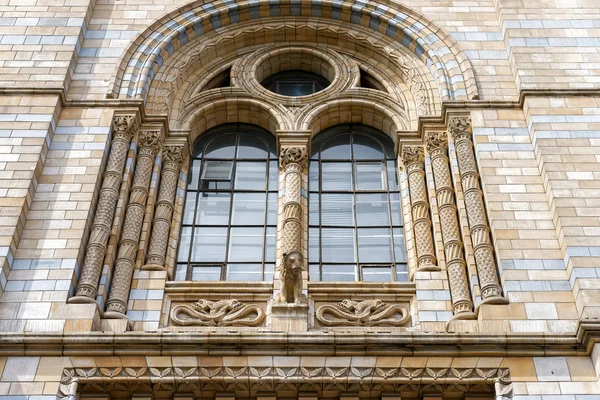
<point x="290" y="276"/>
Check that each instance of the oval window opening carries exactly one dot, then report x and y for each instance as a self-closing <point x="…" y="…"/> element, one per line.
<point x="295" y="83"/>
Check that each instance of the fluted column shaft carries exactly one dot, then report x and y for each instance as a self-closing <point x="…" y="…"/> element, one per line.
<point x="149" y="145"/>
<point x="123" y="128"/>
<point x="414" y="161"/>
<point x="462" y="305"/>
<point x="172" y="156"/>
<point x="491" y="292"/>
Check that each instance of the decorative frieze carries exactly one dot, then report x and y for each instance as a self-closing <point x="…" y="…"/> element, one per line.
<point x="173" y="155"/>
<point x="362" y="313"/>
<point x="461" y="130"/>
<point x="123" y="129"/>
<point x="414" y="161"/>
<point x="462" y="305"/>
<point x="149" y="143"/>
<point x="217" y="313"/>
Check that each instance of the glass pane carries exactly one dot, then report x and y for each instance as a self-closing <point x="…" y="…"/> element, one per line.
<point x="396" y="209"/>
<point x="392" y="176"/>
<point x="338" y="147"/>
<point x="194" y="175"/>
<point x="273" y="175"/>
<point x="314" y="254"/>
<point x="244" y="272"/>
<point x="313" y="273"/>
<point x="269" y="271"/>
<point x="313" y="176"/>
<point x="366" y="148"/>
<point x="339" y="273"/>
<point x="401" y="273"/>
<point x="295" y="89"/>
<point x="338" y="245"/>
<point x="370" y="176"/>
<point x="246" y="244"/>
<point x="313" y="209"/>
<point x="399" y="245"/>
<point x="251" y="146"/>
<point x="372" y="209"/>
<point x="189" y="208"/>
<point x="374" y="245"/>
<point x="222" y="146"/>
<point x="213" y="208"/>
<point x="250" y="175"/>
<point x="217" y="170"/>
<point x="337" y="210"/>
<point x="272" y="209"/>
<point x="248" y="209"/>
<point x="270" y="245"/>
<point x="206" y="273"/>
<point x="209" y="245"/>
<point x="180" y="272"/>
<point x="337" y="176"/>
<point x="184" y="244"/>
<point x="377" y="274"/>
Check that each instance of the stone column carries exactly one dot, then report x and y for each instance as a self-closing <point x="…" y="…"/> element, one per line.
<point x="491" y="292"/>
<point x="414" y="161"/>
<point x="149" y="142"/>
<point x="173" y="155"/>
<point x="462" y="305"/>
<point x="123" y="129"/>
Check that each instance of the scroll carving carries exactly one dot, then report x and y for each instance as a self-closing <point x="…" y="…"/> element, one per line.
<point x="414" y="160"/>
<point x="363" y="313"/>
<point x="123" y="128"/>
<point x="461" y="130"/>
<point x="462" y="305"/>
<point x="217" y="313"/>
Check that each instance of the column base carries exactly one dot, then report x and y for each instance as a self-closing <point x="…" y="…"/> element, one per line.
<point x="81" y="300"/>
<point x="428" y="268"/>
<point x="287" y="317"/>
<point x="153" y="267"/>
<point x="113" y="321"/>
<point x="495" y="300"/>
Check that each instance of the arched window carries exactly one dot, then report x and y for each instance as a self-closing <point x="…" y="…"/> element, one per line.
<point x="230" y="211"/>
<point x="355" y="220"/>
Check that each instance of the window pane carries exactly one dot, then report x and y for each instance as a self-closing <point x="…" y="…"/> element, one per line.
<point x="213" y="208"/>
<point x="377" y="274"/>
<point x="223" y="146"/>
<point x="272" y="209"/>
<point x="269" y="270"/>
<point x="206" y="273"/>
<point x="366" y="148"/>
<point x="184" y="244"/>
<point x="314" y="254"/>
<point x="273" y="175"/>
<point x="339" y="273"/>
<point x="248" y="209"/>
<point x="313" y="273"/>
<point x="337" y="176"/>
<point x="252" y="147"/>
<point x="244" y="272"/>
<point x="189" y="208"/>
<point x="270" y="245"/>
<point x="216" y="175"/>
<point x="313" y="209"/>
<point x="194" y="175"/>
<point x="370" y="176"/>
<point x="180" y="272"/>
<point x="209" y="244"/>
<point x="338" y="245"/>
<point x="313" y="176"/>
<point x="250" y="175"/>
<point x="392" y="176"/>
<point x="372" y="209"/>
<point x="295" y="89"/>
<point x="399" y="245"/>
<point x="396" y="210"/>
<point x="246" y="244"/>
<point x="374" y="245"/>
<point x="401" y="273"/>
<point x="336" y="209"/>
<point x="338" y="147"/>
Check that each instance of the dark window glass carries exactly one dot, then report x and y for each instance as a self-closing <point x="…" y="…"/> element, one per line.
<point x="295" y="83"/>
<point x="355" y="219"/>
<point x="230" y="210"/>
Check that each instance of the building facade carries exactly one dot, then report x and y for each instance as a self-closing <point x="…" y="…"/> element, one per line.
<point x="300" y="199"/>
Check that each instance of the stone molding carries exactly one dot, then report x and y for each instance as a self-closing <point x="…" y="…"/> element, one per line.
<point x="229" y="312"/>
<point x="414" y="161"/>
<point x="487" y="270"/>
<point x="362" y="313"/>
<point x="456" y="265"/>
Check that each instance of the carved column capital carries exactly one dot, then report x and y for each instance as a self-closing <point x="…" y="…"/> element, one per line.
<point x="460" y="127"/>
<point x="437" y="141"/>
<point x="149" y="140"/>
<point x="124" y="126"/>
<point x="413" y="154"/>
<point x="293" y="155"/>
<point x="174" y="154"/>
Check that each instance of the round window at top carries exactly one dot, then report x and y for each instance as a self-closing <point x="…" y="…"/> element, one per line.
<point x="295" y="83"/>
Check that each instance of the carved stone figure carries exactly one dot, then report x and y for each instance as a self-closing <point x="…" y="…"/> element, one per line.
<point x="290" y="276"/>
<point x="362" y="313"/>
<point x="217" y="313"/>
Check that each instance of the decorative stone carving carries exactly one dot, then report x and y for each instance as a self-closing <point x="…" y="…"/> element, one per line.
<point x="149" y="145"/>
<point x="363" y="313"/>
<point x="123" y="128"/>
<point x="461" y="130"/>
<point x="293" y="161"/>
<point x="217" y="313"/>
<point x="462" y="305"/>
<point x="172" y="158"/>
<point x="414" y="160"/>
